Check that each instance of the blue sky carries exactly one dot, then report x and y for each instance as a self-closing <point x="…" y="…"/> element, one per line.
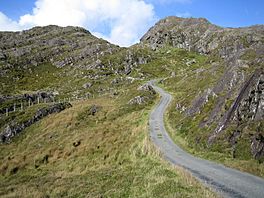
<point x="124" y="21"/>
<point x="227" y="13"/>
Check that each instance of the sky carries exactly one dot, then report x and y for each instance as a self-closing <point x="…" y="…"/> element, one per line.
<point x="124" y="22"/>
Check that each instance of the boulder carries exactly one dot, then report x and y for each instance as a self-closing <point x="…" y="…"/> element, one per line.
<point x="87" y="85"/>
<point x="137" y="100"/>
<point x="148" y="88"/>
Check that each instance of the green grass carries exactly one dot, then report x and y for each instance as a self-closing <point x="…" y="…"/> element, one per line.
<point x="115" y="157"/>
<point x="185" y="131"/>
<point x="21" y="116"/>
<point x="187" y="83"/>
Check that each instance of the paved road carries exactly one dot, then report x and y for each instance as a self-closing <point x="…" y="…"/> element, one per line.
<point x="226" y="181"/>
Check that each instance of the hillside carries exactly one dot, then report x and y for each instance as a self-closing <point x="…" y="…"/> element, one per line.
<point x="73" y="108"/>
<point x="77" y="120"/>
<point x="219" y="106"/>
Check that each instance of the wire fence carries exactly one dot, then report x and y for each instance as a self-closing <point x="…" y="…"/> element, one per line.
<point x="21" y="106"/>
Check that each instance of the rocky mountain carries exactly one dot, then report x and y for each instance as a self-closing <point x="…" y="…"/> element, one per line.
<point x="238" y="93"/>
<point x="198" y="34"/>
<point x="215" y="74"/>
<point x="60" y="46"/>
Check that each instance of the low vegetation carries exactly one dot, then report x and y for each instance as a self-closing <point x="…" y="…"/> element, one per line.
<point x="104" y="154"/>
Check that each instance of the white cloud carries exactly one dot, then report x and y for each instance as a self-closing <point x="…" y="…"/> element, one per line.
<point x="183" y="14"/>
<point x="121" y="22"/>
<point x="7" y="24"/>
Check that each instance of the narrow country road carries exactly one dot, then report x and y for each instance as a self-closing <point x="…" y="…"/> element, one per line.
<point x="225" y="181"/>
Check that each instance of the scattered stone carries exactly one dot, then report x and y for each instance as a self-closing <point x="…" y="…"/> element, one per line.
<point x="87" y="85"/>
<point x="93" y="110"/>
<point x="137" y="100"/>
<point x="77" y="143"/>
<point x="189" y="63"/>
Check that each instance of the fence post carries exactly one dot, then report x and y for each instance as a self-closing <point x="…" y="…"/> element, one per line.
<point x="21" y="106"/>
<point x="6" y="111"/>
<point x="29" y="102"/>
<point x="38" y="100"/>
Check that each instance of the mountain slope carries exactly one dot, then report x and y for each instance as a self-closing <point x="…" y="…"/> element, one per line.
<point x="214" y="74"/>
<point x="225" y="113"/>
<point x="99" y="146"/>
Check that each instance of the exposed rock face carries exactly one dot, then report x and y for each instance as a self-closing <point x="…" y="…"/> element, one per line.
<point x="131" y="60"/>
<point x="60" y="46"/>
<point x="240" y="53"/>
<point x="11" y="130"/>
<point x="248" y="106"/>
<point x="200" y="101"/>
<point x="198" y="34"/>
<point x="257" y="146"/>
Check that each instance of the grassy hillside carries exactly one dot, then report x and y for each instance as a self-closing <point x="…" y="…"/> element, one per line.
<point x="185" y="81"/>
<point x="78" y="154"/>
<point x="100" y="146"/>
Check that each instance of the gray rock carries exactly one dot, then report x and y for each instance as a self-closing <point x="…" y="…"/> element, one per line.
<point x="190" y="62"/>
<point x="87" y="85"/>
<point x="2" y="56"/>
<point x="148" y="88"/>
<point x="257" y="146"/>
<point x="198" y="34"/>
<point x="137" y="100"/>
<point x="13" y="129"/>
<point x="94" y="109"/>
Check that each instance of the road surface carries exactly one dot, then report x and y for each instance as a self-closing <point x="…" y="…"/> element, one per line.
<point x="225" y="181"/>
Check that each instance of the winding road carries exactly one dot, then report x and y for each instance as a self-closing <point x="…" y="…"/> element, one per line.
<point x="225" y="181"/>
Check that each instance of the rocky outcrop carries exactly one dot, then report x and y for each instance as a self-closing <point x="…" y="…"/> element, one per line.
<point x="148" y="88"/>
<point x="61" y="46"/>
<point x="248" y="106"/>
<point x="198" y="34"/>
<point x="147" y="95"/>
<point x="257" y="146"/>
<point x="138" y="100"/>
<point x="7" y="102"/>
<point x="235" y="100"/>
<point x="13" y="129"/>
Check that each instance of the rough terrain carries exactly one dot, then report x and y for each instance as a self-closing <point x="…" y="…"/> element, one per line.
<point x="228" y="182"/>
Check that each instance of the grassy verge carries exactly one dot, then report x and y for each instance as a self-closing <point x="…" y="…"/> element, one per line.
<point x="176" y="128"/>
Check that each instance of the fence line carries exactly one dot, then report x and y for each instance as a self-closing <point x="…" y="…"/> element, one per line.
<point x="39" y="101"/>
